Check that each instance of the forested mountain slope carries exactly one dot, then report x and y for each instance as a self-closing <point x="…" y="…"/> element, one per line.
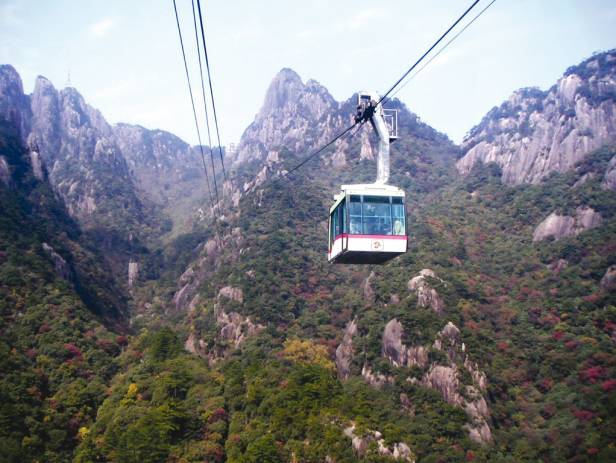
<point x="492" y="339"/>
<point x="63" y="316"/>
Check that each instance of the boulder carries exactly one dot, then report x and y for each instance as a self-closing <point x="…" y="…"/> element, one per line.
<point x="344" y="352"/>
<point x="608" y="282"/>
<point x="560" y="226"/>
<point x="426" y="295"/>
<point x="232" y="293"/>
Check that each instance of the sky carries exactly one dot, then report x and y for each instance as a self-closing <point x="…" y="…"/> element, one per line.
<point x="124" y="56"/>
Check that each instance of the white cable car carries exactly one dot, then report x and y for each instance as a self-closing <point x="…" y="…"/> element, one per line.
<point x="367" y="223"/>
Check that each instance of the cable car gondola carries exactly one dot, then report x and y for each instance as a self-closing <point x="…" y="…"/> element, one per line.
<point x="367" y="222"/>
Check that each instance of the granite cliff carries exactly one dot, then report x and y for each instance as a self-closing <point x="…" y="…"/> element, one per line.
<point x="537" y="132"/>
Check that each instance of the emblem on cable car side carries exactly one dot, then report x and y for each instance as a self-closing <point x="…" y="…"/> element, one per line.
<point x="378" y="245"/>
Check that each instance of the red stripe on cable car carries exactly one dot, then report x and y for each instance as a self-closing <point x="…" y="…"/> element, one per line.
<point x="374" y="237"/>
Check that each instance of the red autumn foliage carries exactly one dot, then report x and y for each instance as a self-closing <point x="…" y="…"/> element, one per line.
<point x="546" y="384"/>
<point x="558" y="335"/>
<point x="571" y="344"/>
<point x="44" y="328"/>
<point x="583" y="415"/>
<point x="73" y="350"/>
<point x="470" y="455"/>
<point x="219" y="414"/>
<point x="121" y="340"/>
<point x="592" y="298"/>
<point x="592" y="374"/>
<point x="592" y="451"/>
<point x="471" y="325"/>
<point x="31" y="353"/>
<point x="549" y="320"/>
<point x="609" y="385"/>
<point x="502" y="346"/>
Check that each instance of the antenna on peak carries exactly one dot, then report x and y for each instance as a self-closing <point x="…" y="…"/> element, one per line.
<point x="68" y="79"/>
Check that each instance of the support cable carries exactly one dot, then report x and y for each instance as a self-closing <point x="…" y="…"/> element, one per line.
<point x="409" y="70"/>
<point x="192" y="101"/>
<point x="207" y="118"/>
<point x="209" y="77"/>
<point x="442" y="49"/>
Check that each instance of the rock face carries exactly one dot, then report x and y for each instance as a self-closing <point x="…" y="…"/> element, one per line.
<point x="72" y="146"/>
<point x="426" y="295"/>
<point x="609" y="180"/>
<point x="608" y="282"/>
<point x="293" y="115"/>
<point x="560" y="226"/>
<point x="344" y="352"/>
<point x="535" y="133"/>
<point x="442" y="377"/>
<point x="361" y="445"/>
<point x="86" y="166"/>
<point x="14" y="105"/>
<point x="166" y="168"/>
<point x="62" y="268"/>
<point x="5" y="172"/>
<point x="133" y="273"/>
<point x="399" y="354"/>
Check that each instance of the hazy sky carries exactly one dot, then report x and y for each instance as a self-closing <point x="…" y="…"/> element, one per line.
<point x="124" y="55"/>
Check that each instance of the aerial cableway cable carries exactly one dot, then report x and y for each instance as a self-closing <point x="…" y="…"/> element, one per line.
<point x="192" y="101"/>
<point x="209" y="77"/>
<point x="323" y="148"/>
<point x="409" y="70"/>
<point x="442" y="49"/>
<point x="207" y="119"/>
<point x="434" y="45"/>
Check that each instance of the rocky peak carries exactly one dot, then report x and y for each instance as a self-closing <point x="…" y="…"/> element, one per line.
<point x="291" y="116"/>
<point x="14" y="105"/>
<point x="535" y="133"/>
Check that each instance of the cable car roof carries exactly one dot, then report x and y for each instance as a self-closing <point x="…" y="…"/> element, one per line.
<point x="371" y="189"/>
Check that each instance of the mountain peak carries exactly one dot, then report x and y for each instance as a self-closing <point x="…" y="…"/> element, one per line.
<point x="286" y="86"/>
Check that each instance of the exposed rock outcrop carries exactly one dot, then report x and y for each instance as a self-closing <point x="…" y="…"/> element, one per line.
<point x="5" y="172"/>
<point x="375" y="379"/>
<point x="608" y="282"/>
<point x="165" y="167"/>
<point x="63" y="270"/>
<point x="427" y="296"/>
<point x="609" y="179"/>
<point x="344" y="352"/>
<point x="133" y="272"/>
<point x="560" y="226"/>
<point x="399" y="354"/>
<point x="14" y="105"/>
<point x="558" y="266"/>
<point x="293" y="115"/>
<point x="400" y="451"/>
<point x="535" y="133"/>
<point x="232" y="293"/>
<point x="366" y="286"/>
<point x="445" y="378"/>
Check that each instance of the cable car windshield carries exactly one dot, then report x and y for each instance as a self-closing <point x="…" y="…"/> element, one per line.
<point x="368" y="215"/>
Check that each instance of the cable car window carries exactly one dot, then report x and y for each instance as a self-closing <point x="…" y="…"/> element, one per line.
<point x="343" y="217"/>
<point x="355" y="216"/>
<point x="376" y="211"/>
<point x="397" y="215"/>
